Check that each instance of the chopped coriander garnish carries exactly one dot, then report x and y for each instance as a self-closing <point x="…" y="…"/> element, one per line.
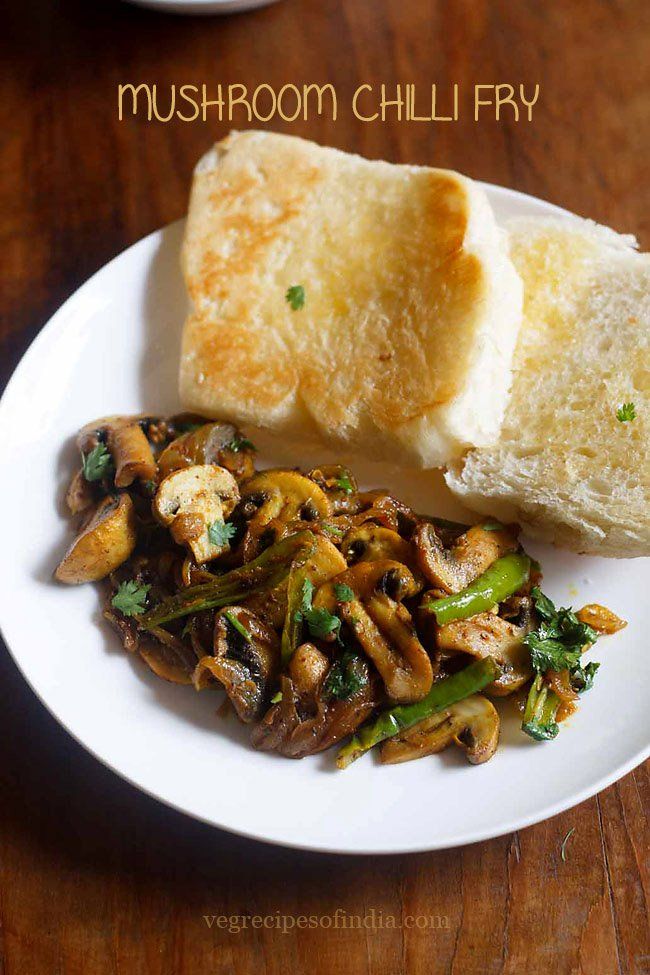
<point x="131" y="598"/>
<point x="346" y="676"/>
<point x="344" y="483"/>
<point x="236" y="625"/>
<point x="332" y="529"/>
<point x="220" y="533"/>
<point x="626" y="412"/>
<point x="240" y="443"/>
<point x="98" y="463"/>
<point x="343" y="592"/>
<point x="556" y="644"/>
<point x="582" y="678"/>
<point x="295" y="295"/>
<point x="320" y="622"/>
<point x="276" y="698"/>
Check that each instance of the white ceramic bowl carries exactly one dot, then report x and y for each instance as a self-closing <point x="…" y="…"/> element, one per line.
<point x="202" y="6"/>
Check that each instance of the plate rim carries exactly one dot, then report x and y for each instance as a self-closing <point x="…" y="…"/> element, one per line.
<point x="469" y="837"/>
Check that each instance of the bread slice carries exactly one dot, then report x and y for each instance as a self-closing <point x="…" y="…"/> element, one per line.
<point x="403" y="347"/>
<point x="565" y="466"/>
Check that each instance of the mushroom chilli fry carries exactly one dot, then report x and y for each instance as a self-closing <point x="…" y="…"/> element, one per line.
<point x="321" y="610"/>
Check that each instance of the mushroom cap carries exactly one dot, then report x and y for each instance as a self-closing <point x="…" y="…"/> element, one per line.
<point x="452" y="569"/>
<point x="190" y="500"/>
<point x="473" y="724"/>
<point x="489" y="635"/>
<point x="369" y="542"/>
<point x="208" y="444"/>
<point x="288" y="494"/>
<point x="129" y="447"/>
<point x="245" y="660"/>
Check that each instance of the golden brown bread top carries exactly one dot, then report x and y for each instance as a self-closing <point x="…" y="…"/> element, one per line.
<point x="396" y="302"/>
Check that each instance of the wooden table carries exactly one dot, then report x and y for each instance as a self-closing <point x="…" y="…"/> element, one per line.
<point x="94" y="876"/>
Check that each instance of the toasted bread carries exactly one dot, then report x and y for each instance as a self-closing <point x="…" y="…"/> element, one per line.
<point x="403" y="346"/>
<point x="566" y="466"/>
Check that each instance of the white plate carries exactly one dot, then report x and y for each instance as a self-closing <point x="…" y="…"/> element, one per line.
<point x="113" y="347"/>
<point x="201" y="6"/>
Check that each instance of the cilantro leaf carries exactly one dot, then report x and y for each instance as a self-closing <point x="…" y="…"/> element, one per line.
<point x="130" y="598"/>
<point x="320" y="622"/>
<point x="556" y="644"/>
<point x="276" y="698"/>
<point x="220" y="533"/>
<point x="343" y="593"/>
<point x="240" y="443"/>
<point x="626" y="412"/>
<point x="98" y="463"/>
<point x="545" y="607"/>
<point x="559" y="640"/>
<point x="549" y="654"/>
<point x="295" y="295"/>
<point x="582" y="678"/>
<point x="346" y="677"/>
<point x="306" y="596"/>
<point x="344" y="483"/>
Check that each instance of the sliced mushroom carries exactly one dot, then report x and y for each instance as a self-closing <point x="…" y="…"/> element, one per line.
<point x="132" y="454"/>
<point x="289" y="730"/>
<point x="387" y="510"/>
<point x="167" y="656"/>
<point x="323" y="562"/>
<point x="284" y="495"/>
<point x="366" y="578"/>
<point x="471" y="554"/>
<point x="107" y="540"/>
<point x="340" y="486"/>
<point x="370" y="542"/>
<point x="488" y="635"/>
<point x="209" y="443"/>
<point x="383" y="626"/>
<point x="245" y="660"/>
<point x="189" y="501"/>
<point x="129" y="447"/>
<point x="80" y="495"/>
<point x="307" y="669"/>
<point x="473" y="724"/>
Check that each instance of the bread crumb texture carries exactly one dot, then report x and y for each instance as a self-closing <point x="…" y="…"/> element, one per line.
<point x="565" y="466"/>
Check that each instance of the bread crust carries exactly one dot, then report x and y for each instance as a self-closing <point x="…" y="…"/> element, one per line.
<point x="404" y="345"/>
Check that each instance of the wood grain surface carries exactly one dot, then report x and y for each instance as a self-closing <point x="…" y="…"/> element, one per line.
<point x="97" y="878"/>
